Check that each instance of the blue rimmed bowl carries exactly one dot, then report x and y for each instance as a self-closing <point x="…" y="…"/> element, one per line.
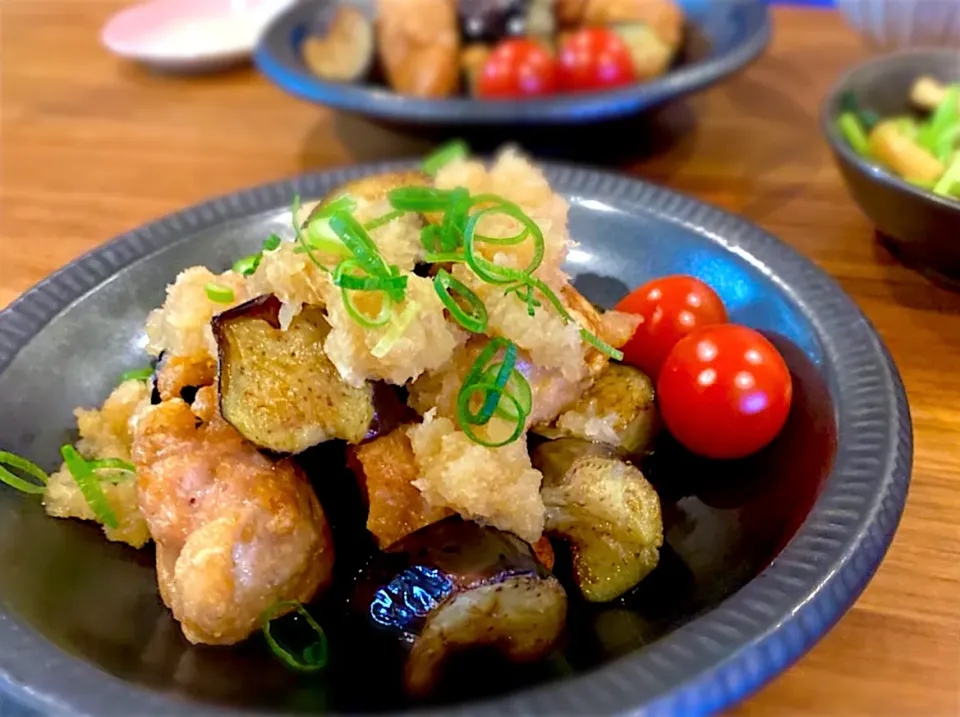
<point x="762" y="556"/>
<point x="721" y="36"/>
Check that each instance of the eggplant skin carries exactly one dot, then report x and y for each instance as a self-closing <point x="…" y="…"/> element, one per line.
<point x="607" y="511"/>
<point x="618" y="409"/>
<point x="456" y="585"/>
<point x="278" y="388"/>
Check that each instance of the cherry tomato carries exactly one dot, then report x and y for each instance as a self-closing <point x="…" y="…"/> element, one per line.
<point x="518" y="68"/>
<point x="724" y="391"/>
<point x="671" y="307"/>
<point x="594" y="58"/>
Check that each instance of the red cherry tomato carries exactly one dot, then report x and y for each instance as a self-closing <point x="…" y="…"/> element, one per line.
<point x="671" y="307"/>
<point x="724" y="391"/>
<point x="518" y="68"/>
<point x="594" y="58"/>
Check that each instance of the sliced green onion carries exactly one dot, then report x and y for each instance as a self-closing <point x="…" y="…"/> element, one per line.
<point x="436" y="160"/>
<point x="301" y="240"/>
<point x="24" y="466"/>
<point x="587" y="336"/>
<point x="454" y="220"/>
<point x="854" y="133"/>
<point x="601" y="345"/>
<point x="944" y="117"/>
<point x="248" y="264"/>
<point x="381" y="221"/>
<point x="356" y="239"/>
<point x="419" y="199"/>
<point x="343" y="278"/>
<point x="487" y="270"/>
<point x="113" y="465"/>
<point x="89" y="486"/>
<point x="137" y="374"/>
<point x="463" y="409"/>
<point x="313" y="657"/>
<point x="444" y="258"/>
<point x="950" y="177"/>
<point x="446" y="286"/>
<point x="396" y="329"/>
<point x="343" y="203"/>
<point x="271" y="242"/>
<point x="368" y="322"/>
<point x="868" y="118"/>
<point x="503" y="375"/>
<point x="430" y="239"/>
<point x="218" y="292"/>
<point x="518" y="387"/>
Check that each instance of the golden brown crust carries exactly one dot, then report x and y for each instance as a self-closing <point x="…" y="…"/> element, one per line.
<point x="179" y="372"/>
<point x="386" y="469"/>
<point x="419" y="44"/>
<point x="235" y="531"/>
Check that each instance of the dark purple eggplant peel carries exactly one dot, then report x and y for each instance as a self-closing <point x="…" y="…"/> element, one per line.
<point x="456" y="585"/>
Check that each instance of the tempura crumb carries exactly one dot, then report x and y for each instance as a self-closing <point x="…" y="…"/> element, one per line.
<point x="182" y="325"/>
<point x="495" y="486"/>
<point x="105" y="433"/>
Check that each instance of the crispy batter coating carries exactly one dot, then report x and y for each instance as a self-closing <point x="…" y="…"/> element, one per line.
<point x="387" y="468"/>
<point x="235" y="531"/>
<point x="176" y="373"/>
<point x="106" y="432"/>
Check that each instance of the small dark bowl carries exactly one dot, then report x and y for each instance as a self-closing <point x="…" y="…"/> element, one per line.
<point x="922" y="228"/>
<point x="721" y="36"/>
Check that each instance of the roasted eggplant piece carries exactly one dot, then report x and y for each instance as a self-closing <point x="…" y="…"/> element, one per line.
<point x="386" y="469"/>
<point x="607" y="511"/>
<point x="493" y="20"/>
<point x="345" y="52"/>
<point x="617" y="409"/>
<point x="454" y="586"/>
<point x="277" y="388"/>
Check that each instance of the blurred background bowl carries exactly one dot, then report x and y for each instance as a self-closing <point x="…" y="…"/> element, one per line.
<point x="720" y="37"/>
<point x="922" y="228"/>
<point x="892" y="24"/>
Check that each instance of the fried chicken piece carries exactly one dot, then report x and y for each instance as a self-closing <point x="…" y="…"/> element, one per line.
<point x="235" y="531"/>
<point x="386" y="469"/>
<point x="419" y="43"/>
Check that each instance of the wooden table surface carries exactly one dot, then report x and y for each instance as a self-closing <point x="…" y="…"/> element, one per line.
<point x="92" y="146"/>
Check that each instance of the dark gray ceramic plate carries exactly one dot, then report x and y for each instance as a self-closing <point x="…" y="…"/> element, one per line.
<point x="721" y="37"/>
<point x="762" y="556"/>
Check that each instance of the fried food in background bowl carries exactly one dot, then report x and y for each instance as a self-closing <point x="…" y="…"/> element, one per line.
<point x="493" y="61"/>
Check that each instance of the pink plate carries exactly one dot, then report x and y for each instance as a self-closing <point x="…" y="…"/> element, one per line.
<point x="189" y="34"/>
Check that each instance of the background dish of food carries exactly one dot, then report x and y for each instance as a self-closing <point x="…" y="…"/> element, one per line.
<point x="921" y="227"/>
<point x="719" y="38"/>
<point x="889" y="24"/>
<point x="76" y="591"/>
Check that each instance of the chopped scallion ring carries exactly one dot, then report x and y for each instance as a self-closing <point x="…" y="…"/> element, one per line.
<point x="381" y="221"/>
<point x="271" y="243"/>
<point x="463" y="407"/>
<point x="247" y="265"/>
<point x="366" y="321"/>
<point x="89" y="486"/>
<point x="314" y="656"/>
<point x="113" y="466"/>
<point x="218" y="292"/>
<point x="419" y="199"/>
<point x="518" y="387"/>
<point x="24" y="466"/>
<point x="396" y="329"/>
<point x="474" y="316"/>
<point x="493" y="389"/>
<point x="137" y="374"/>
<point x="449" y="152"/>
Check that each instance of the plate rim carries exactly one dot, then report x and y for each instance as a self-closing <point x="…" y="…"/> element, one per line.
<point x="275" y="59"/>
<point x="725" y="653"/>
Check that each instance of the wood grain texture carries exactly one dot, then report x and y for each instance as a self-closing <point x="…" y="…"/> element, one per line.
<point x="91" y="147"/>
